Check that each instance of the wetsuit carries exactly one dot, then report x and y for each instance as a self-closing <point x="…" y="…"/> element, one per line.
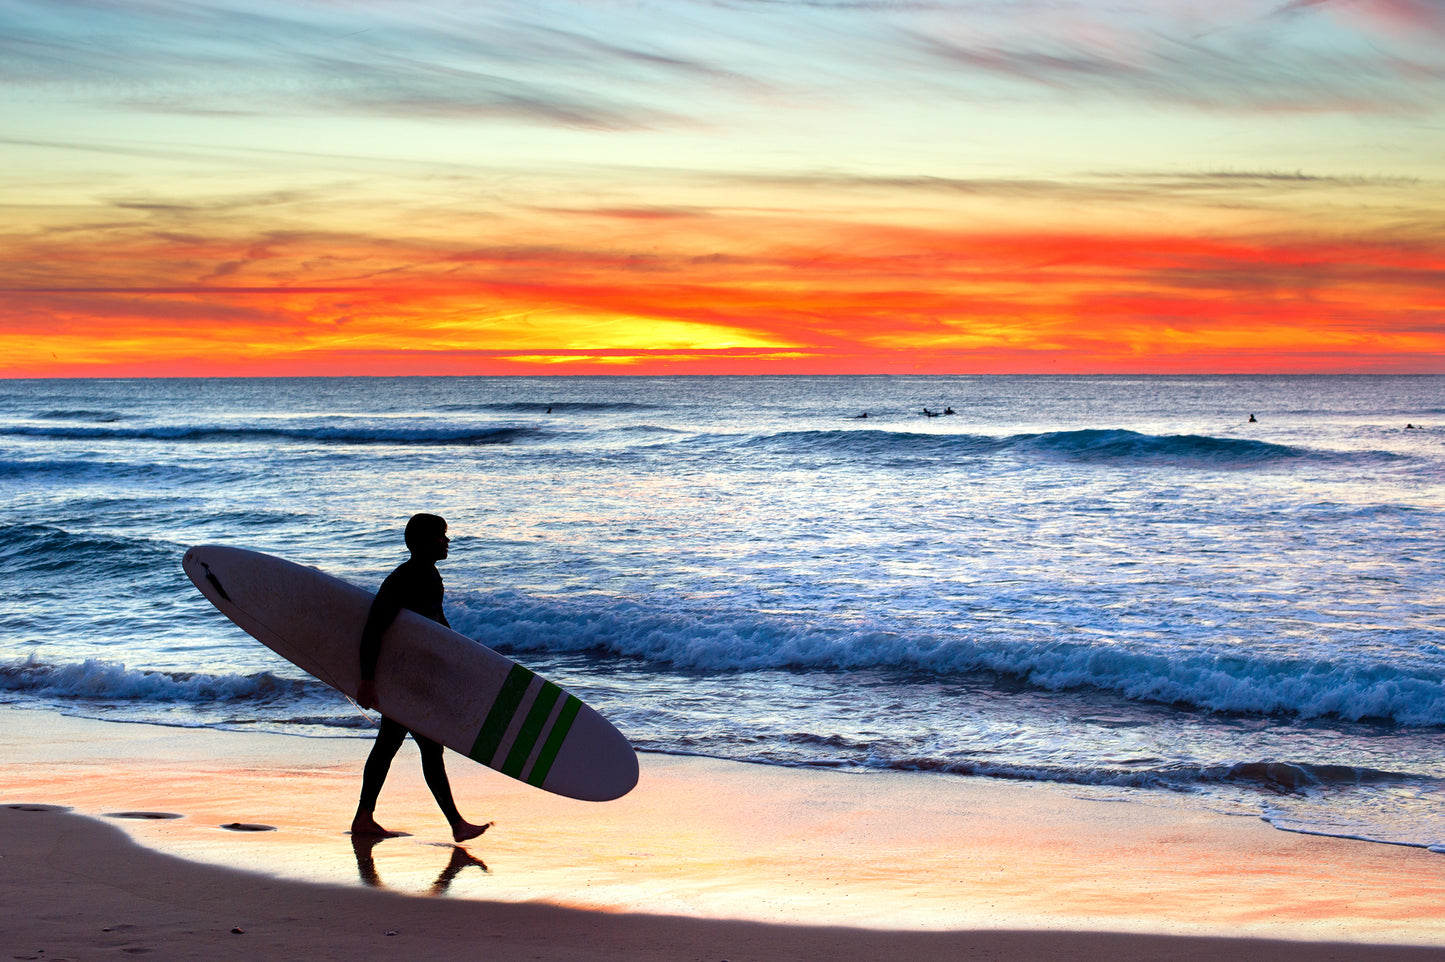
<point x="417" y="585"/>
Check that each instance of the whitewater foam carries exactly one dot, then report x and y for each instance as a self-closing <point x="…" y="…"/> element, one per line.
<point x="742" y="641"/>
<point x="98" y="679"/>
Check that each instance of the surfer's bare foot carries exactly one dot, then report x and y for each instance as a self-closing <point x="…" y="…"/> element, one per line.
<point x="464" y="830"/>
<point x="366" y="825"/>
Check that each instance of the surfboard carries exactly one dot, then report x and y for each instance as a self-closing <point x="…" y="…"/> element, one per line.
<point x="429" y="678"/>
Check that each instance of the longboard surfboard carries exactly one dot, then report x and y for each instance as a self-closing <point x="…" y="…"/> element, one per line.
<point x="429" y="678"/>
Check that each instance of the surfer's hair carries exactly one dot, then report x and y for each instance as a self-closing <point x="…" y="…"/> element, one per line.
<point x="422" y="528"/>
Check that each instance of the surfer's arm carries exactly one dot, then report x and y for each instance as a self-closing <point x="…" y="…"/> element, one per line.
<point x="384" y="608"/>
<point x="366" y="693"/>
<point x="383" y="612"/>
<point x="402" y="589"/>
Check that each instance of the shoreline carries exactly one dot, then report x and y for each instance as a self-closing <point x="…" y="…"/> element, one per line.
<point x="704" y="856"/>
<point x="94" y="889"/>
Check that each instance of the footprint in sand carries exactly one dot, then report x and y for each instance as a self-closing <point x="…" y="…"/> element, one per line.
<point x="31" y="807"/>
<point x="150" y="816"/>
<point x="248" y="827"/>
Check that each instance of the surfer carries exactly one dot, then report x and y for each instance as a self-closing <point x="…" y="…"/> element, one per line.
<point x="415" y="584"/>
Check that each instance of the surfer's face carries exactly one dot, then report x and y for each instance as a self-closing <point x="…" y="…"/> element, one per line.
<point x="443" y="545"/>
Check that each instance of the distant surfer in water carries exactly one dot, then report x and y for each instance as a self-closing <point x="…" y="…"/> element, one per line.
<point x="415" y="584"/>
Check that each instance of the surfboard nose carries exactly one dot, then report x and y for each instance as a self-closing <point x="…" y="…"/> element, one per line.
<point x="197" y="565"/>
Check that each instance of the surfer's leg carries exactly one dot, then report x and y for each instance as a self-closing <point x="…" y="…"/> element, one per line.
<point x="388" y="739"/>
<point x="434" y="769"/>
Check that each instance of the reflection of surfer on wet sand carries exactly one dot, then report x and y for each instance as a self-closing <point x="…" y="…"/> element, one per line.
<point x="460" y="859"/>
<point x="362" y="845"/>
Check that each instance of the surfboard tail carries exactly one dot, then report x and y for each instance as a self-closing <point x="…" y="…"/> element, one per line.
<point x="542" y="735"/>
<point x="595" y="745"/>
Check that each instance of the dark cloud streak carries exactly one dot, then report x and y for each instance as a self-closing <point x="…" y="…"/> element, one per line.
<point x="1241" y="70"/>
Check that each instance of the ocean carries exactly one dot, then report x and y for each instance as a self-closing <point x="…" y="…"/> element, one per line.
<point x="1123" y="584"/>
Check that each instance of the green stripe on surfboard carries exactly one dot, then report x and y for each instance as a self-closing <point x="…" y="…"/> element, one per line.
<point x="500" y="716"/>
<point x="531" y="730"/>
<point x="560" y="727"/>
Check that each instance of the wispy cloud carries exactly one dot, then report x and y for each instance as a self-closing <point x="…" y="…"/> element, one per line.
<point x="1397" y="17"/>
<point x="1239" y="67"/>
<point x="571" y="64"/>
<point x="497" y="60"/>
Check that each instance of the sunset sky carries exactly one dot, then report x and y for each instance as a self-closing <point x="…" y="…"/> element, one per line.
<point x="721" y="186"/>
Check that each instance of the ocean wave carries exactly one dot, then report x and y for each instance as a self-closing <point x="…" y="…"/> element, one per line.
<point x="79" y="414"/>
<point x="411" y="435"/>
<point x="1121" y="445"/>
<point x="546" y="407"/>
<point x="99" y="679"/>
<point x="43" y="547"/>
<point x="1086" y="445"/>
<point x="1269" y="777"/>
<point x="1291" y="777"/>
<point x="87" y="470"/>
<point x="714" y="640"/>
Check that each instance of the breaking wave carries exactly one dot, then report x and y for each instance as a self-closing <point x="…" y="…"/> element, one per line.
<point x="744" y="641"/>
<point x="1090" y="445"/>
<point x="410" y="435"/>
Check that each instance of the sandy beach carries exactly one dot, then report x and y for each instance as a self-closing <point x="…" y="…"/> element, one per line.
<point x="705" y="860"/>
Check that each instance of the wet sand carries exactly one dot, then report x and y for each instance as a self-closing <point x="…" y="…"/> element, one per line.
<point x="705" y="860"/>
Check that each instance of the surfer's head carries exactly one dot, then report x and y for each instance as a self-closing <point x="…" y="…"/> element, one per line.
<point x="426" y="536"/>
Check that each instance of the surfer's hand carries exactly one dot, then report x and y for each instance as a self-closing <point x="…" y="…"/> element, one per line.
<point x="366" y="694"/>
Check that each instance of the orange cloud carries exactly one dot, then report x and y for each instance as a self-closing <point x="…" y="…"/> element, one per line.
<point x="735" y="294"/>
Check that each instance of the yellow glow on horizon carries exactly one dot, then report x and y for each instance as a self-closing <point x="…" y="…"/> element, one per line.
<point x="582" y="332"/>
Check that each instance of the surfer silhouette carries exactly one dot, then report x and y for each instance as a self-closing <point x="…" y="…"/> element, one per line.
<point x="415" y="584"/>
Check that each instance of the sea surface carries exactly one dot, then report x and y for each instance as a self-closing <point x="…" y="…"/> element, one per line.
<point x="1124" y="584"/>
